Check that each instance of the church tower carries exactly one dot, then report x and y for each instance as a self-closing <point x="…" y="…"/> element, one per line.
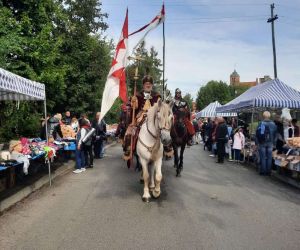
<point x="234" y="78"/>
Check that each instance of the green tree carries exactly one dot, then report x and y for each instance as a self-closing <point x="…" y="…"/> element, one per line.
<point x="150" y="65"/>
<point x="59" y="43"/>
<point x="30" y="48"/>
<point x="213" y="91"/>
<point x="188" y="98"/>
<point x="86" y="54"/>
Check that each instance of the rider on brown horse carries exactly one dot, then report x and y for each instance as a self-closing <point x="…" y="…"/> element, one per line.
<point x="180" y="105"/>
<point x="141" y="103"/>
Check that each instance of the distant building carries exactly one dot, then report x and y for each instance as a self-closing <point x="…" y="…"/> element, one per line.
<point x="235" y="80"/>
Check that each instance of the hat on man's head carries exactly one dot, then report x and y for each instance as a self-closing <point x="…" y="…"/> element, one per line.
<point x="147" y="78"/>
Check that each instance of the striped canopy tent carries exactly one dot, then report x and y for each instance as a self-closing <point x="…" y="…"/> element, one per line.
<point x="273" y="94"/>
<point x="17" y="88"/>
<point x="210" y="111"/>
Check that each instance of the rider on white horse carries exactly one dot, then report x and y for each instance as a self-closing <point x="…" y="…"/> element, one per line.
<point x="141" y="103"/>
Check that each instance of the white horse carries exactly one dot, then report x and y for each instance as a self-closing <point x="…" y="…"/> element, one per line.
<point x="154" y="133"/>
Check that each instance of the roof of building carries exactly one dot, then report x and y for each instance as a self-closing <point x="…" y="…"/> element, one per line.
<point x="234" y="74"/>
<point x="247" y="83"/>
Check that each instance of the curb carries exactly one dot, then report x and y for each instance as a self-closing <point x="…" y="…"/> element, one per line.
<point x="43" y="181"/>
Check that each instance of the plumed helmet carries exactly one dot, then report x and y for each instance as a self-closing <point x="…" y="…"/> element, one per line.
<point x="177" y="91"/>
<point x="147" y="78"/>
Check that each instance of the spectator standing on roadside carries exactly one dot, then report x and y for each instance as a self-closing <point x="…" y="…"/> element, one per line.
<point x="87" y="146"/>
<point x="238" y="144"/>
<point x="80" y="159"/>
<point x="221" y="139"/>
<point x="100" y="136"/>
<point x="266" y="133"/>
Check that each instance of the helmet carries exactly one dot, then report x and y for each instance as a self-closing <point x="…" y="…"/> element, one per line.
<point x="177" y="91"/>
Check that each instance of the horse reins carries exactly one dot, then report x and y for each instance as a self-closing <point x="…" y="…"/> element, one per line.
<point x="156" y="137"/>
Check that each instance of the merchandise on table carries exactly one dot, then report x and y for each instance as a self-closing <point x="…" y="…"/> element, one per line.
<point x="294" y="142"/>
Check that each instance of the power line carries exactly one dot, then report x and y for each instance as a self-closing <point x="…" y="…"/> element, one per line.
<point x="207" y="18"/>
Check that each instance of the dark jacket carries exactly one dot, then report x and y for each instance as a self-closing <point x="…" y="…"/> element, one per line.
<point x="100" y="128"/>
<point x="68" y="120"/>
<point x="221" y="132"/>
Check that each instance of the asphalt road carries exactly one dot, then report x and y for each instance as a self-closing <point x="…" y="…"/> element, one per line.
<point x="209" y="207"/>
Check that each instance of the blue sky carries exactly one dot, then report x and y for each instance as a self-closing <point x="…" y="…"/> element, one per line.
<point x="206" y="40"/>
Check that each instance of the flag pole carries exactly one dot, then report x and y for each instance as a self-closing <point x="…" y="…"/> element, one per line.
<point x="137" y="58"/>
<point x="164" y="57"/>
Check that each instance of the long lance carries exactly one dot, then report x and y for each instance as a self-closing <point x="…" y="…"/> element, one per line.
<point x="133" y="121"/>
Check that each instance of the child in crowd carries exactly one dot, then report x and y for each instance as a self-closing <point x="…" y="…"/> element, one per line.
<point x="238" y="144"/>
<point x="229" y="143"/>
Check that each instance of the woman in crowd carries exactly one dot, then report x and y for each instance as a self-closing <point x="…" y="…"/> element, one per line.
<point x="74" y="124"/>
<point x="80" y="159"/>
<point x="87" y="145"/>
<point x="238" y="144"/>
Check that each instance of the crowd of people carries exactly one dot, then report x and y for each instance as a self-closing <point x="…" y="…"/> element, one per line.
<point x="89" y="136"/>
<point x="223" y="137"/>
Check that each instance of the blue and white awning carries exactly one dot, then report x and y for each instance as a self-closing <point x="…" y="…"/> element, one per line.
<point x="17" y="88"/>
<point x="210" y="111"/>
<point x="271" y="94"/>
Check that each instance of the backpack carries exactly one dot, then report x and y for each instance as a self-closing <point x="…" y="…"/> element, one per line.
<point x="88" y="142"/>
<point x="263" y="133"/>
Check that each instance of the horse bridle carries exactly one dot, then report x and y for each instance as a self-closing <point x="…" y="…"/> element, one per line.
<point x="156" y="137"/>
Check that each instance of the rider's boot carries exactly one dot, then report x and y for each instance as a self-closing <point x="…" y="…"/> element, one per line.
<point x="127" y="147"/>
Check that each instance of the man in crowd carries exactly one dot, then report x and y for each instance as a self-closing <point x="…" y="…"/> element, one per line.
<point x="221" y="138"/>
<point x="67" y="118"/>
<point x="100" y="136"/>
<point x="280" y="136"/>
<point x="266" y="140"/>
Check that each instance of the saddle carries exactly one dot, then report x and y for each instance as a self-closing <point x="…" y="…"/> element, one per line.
<point x="132" y="134"/>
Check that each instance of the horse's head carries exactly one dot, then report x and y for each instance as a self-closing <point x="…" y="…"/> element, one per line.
<point x="164" y="120"/>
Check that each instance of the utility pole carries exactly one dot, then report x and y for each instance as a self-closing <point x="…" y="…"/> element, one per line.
<point x="271" y="20"/>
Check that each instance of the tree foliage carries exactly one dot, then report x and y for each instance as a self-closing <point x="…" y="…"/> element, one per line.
<point x="213" y="91"/>
<point x="59" y="43"/>
<point x="217" y="91"/>
<point x="62" y="44"/>
<point x="188" y="98"/>
<point x="150" y="65"/>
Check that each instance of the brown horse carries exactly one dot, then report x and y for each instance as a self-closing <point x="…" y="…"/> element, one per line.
<point x="179" y="135"/>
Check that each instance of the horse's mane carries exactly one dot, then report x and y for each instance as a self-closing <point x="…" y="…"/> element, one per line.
<point x="151" y="118"/>
<point x="151" y="112"/>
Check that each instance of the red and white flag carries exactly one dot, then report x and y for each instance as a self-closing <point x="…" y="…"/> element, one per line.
<point x="115" y="85"/>
<point x="160" y="18"/>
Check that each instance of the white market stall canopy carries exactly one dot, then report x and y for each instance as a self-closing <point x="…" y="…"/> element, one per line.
<point x="271" y="94"/>
<point x="210" y="111"/>
<point x="17" y="88"/>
